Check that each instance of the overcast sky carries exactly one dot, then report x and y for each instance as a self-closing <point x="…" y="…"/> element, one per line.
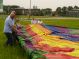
<point x="42" y="3"/>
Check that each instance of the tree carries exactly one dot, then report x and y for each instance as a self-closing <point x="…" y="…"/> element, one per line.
<point x="76" y="7"/>
<point x="7" y="8"/>
<point x="47" y="12"/>
<point x="64" y="11"/>
<point x="14" y="6"/>
<point x="58" y="11"/>
<point x="70" y="8"/>
<point x="36" y="12"/>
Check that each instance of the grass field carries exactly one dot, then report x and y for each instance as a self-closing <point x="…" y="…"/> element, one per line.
<point x="63" y="22"/>
<point x="16" y="52"/>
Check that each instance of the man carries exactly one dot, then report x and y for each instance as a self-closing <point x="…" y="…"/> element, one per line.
<point x="9" y="28"/>
<point x="34" y="21"/>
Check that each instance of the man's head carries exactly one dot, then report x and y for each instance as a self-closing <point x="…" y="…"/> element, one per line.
<point x="12" y="14"/>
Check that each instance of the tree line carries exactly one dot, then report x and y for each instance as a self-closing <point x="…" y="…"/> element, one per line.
<point x="64" y="10"/>
<point x="22" y="11"/>
<point x="60" y="11"/>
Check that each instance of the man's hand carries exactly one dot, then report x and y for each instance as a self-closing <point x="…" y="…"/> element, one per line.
<point x="14" y="28"/>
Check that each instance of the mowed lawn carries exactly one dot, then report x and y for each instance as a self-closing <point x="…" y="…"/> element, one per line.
<point x="64" y="22"/>
<point x="16" y="52"/>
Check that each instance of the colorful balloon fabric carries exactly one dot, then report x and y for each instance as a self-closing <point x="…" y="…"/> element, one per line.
<point x="55" y="41"/>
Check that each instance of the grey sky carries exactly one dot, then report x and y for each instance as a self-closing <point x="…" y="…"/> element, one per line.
<point x="42" y="3"/>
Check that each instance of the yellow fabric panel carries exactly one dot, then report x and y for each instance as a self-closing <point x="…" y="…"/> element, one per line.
<point x="74" y="53"/>
<point x="51" y="37"/>
<point x="37" y="30"/>
<point x="47" y="31"/>
<point x="59" y="43"/>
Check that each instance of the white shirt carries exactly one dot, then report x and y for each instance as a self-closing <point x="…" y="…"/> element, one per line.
<point x="8" y="23"/>
<point x="40" y="22"/>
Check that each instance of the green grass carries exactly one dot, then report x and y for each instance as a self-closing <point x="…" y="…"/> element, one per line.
<point x="63" y="22"/>
<point x="17" y="52"/>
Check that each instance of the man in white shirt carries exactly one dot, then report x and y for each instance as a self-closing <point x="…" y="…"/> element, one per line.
<point x="9" y="27"/>
<point x="34" y="21"/>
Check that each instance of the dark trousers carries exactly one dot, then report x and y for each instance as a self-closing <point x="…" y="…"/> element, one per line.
<point x="15" y="36"/>
<point x="11" y="38"/>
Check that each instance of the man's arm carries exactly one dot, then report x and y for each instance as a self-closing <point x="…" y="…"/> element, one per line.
<point x="14" y="28"/>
